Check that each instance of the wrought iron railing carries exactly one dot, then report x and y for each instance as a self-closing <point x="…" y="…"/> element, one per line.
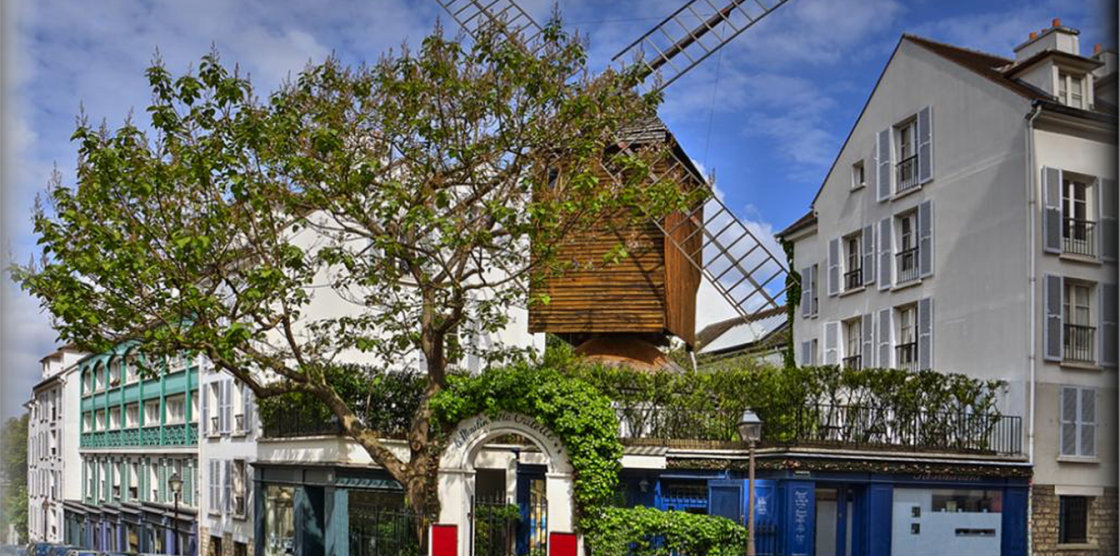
<point x="1077" y="237"/>
<point x="852" y="362"/>
<point x="294" y="423"/>
<point x="833" y="425"/>
<point x="906" y="356"/>
<point x="907" y="174"/>
<point x="376" y="531"/>
<point x="1078" y="343"/>
<point x="907" y="260"/>
<point x="853" y="279"/>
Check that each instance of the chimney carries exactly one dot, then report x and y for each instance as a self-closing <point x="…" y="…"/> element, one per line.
<point x="1107" y="58"/>
<point x="1056" y="38"/>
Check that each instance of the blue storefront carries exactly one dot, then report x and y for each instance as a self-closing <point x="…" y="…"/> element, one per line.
<point x="914" y="510"/>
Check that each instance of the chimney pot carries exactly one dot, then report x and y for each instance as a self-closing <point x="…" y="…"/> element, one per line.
<point x="1097" y="48"/>
<point x="1034" y="35"/>
<point x="1057" y="22"/>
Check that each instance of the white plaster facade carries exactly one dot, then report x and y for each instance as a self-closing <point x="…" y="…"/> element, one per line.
<point x="978" y="272"/>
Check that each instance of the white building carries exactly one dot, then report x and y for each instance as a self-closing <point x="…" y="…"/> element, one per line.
<point x="968" y="224"/>
<point x="48" y="446"/>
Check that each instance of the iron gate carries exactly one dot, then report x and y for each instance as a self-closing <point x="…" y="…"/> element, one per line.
<point x="381" y="531"/>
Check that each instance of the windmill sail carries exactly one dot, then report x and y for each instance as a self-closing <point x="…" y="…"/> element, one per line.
<point x="731" y="256"/>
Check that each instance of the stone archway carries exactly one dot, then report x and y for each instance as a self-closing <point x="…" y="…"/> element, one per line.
<point x="457" y="471"/>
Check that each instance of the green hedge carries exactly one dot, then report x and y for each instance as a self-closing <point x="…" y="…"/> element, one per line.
<point x="649" y="532"/>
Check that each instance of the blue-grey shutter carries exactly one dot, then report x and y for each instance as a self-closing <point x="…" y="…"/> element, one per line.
<point x="885" y="338"/>
<point x="868" y="243"/>
<point x="227" y="488"/>
<point x="204" y="392"/>
<point x="831" y="340"/>
<point x="806" y="353"/>
<point x="1068" y="430"/>
<point x="1052" y="317"/>
<point x="883" y="180"/>
<point x="925" y="145"/>
<point x="247" y="397"/>
<point x="925" y="239"/>
<point x="1051" y="210"/>
<point x="226" y="398"/>
<point x="833" y="266"/>
<point x="885" y="262"/>
<point x="814" y="284"/>
<point x="866" y="357"/>
<point x="871" y="171"/>
<point x="925" y="333"/>
<point x="1108" y="304"/>
<point x="1108" y="211"/>
<point x="806" y="291"/>
<point x="1087" y="423"/>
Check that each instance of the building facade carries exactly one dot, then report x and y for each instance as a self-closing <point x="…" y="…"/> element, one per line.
<point x="138" y="444"/>
<point x="961" y="159"/>
<point x="48" y="445"/>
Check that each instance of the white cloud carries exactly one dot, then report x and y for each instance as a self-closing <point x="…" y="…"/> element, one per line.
<point x="27" y="338"/>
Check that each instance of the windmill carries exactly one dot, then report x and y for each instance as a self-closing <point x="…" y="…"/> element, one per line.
<point x="708" y="240"/>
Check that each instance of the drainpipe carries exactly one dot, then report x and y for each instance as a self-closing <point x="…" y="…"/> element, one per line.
<point x="1032" y="319"/>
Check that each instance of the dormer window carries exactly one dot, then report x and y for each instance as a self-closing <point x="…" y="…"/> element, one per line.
<point x="1071" y="90"/>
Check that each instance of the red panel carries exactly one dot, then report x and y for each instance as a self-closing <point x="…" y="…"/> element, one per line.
<point x="562" y="544"/>
<point x="445" y="540"/>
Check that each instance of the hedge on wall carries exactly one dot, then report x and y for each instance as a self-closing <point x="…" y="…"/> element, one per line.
<point x="643" y="531"/>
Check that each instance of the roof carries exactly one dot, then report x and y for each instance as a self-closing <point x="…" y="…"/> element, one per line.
<point x="808" y="219"/>
<point x="651" y="129"/>
<point x="734" y="333"/>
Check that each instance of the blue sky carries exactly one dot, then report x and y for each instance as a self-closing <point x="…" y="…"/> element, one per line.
<point x="767" y="115"/>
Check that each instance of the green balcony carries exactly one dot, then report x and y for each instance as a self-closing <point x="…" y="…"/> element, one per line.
<point x="183" y="434"/>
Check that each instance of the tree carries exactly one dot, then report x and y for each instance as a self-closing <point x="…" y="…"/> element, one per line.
<point x="13" y="442"/>
<point x="424" y="192"/>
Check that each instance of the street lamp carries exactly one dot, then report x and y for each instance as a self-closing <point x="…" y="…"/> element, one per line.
<point x="176" y="484"/>
<point x="750" y="430"/>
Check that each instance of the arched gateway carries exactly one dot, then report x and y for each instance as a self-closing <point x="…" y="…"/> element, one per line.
<point x="458" y="486"/>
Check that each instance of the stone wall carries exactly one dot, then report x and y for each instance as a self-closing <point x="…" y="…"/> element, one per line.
<point x="1102" y="528"/>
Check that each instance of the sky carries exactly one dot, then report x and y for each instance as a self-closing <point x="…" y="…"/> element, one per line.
<point x="767" y="114"/>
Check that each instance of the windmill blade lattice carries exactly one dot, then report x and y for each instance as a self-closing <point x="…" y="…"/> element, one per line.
<point x="730" y="256"/>
<point x="691" y="34"/>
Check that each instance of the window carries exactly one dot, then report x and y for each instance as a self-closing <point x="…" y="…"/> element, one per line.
<point x="906" y="171"/>
<point x="1073" y="519"/>
<point x="1070" y="90"/>
<point x="87" y="382"/>
<point x="104" y="482"/>
<point x="87" y="422"/>
<point x="153" y="481"/>
<point x="131" y="370"/>
<point x="215" y="405"/>
<point x="101" y="420"/>
<point x="859" y="178"/>
<point x="115" y="418"/>
<point x="133" y="480"/>
<point x="1077" y="224"/>
<point x="853" y="272"/>
<point x="852" y="340"/>
<point x="176" y="363"/>
<point x="91" y="480"/>
<point x="115" y="372"/>
<point x="906" y="352"/>
<point x="1078" y="408"/>
<point x="215" y="486"/>
<point x="176" y="410"/>
<point x="132" y="415"/>
<point x="1078" y="333"/>
<point x="907" y="256"/>
<point x="151" y="413"/>
<point x="239" y="487"/>
<point x="117" y="473"/>
<point x="279" y="516"/>
<point x="237" y="402"/>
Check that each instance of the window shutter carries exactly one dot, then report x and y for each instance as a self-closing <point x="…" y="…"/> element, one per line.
<point x="227" y="487"/>
<point x="883" y="180"/>
<point x="831" y="341"/>
<point x="1052" y="313"/>
<point x="885" y="338"/>
<point x="1108" y="304"/>
<point x="870" y="170"/>
<point x="225" y="406"/>
<point x="925" y="239"/>
<point x="806" y="353"/>
<point x="1051" y="210"/>
<point x="204" y="393"/>
<point x="834" y="267"/>
<point x="806" y="291"/>
<point x="247" y="410"/>
<point x="1108" y="210"/>
<point x="1088" y="423"/>
<point x="868" y="324"/>
<point x="1068" y="431"/>
<point x="925" y="145"/>
<point x="815" y="290"/>
<point x="925" y="333"/>
<point x="868" y="244"/>
<point x="885" y="262"/>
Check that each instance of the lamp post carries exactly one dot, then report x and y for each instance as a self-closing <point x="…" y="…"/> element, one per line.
<point x="176" y="485"/>
<point x="750" y="430"/>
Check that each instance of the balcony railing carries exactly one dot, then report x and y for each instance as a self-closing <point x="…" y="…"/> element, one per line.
<point x="907" y="260"/>
<point x="832" y="426"/>
<point x="906" y="173"/>
<point x="239" y="423"/>
<point x="906" y="356"/>
<point x="168" y="435"/>
<point x="852" y="362"/>
<point x="1079" y="343"/>
<point x="853" y="279"/>
<point x="1077" y="237"/>
<point x="297" y="422"/>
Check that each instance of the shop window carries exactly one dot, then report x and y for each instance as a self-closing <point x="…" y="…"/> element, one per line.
<point x="688" y="496"/>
